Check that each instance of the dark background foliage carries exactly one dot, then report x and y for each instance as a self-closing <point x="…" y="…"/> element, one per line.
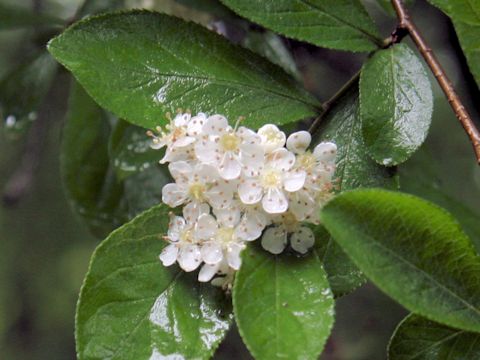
<point x="44" y="249"/>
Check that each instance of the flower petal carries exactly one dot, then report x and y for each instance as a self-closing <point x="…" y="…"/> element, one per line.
<point x="180" y="170"/>
<point x="250" y="191"/>
<point x="230" y="168"/>
<point x="325" y="152"/>
<point x="206" y="227"/>
<point x="189" y="257"/>
<point x="301" y="204"/>
<point x="220" y="196"/>
<point x="228" y="217"/>
<point x="281" y="159"/>
<point x="207" y="151"/>
<point x="207" y="272"/>
<point x="274" y="239"/>
<point x="173" y="195"/>
<point x="299" y="141"/>
<point x="294" y="180"/>
<point x="193" y="210"/>
<point x="275" y="202"/>
<point x="181" y="119"/>
<point x="212" y="253"/>
<point x="216" y="125"/>
<point x="175" y="227"/>
<point x="302" y="239"/>
<point x="195" y="125"/>
<point x="271" y="137"/>
<point x="183" y="141"/>
<point x="233" y="255"/>
<point x="169" y="255"/>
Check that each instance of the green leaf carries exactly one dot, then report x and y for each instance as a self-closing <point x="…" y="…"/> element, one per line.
<point x="139" y="65"/>
<point x="355" y="169"/>
<point x="417" y="338"/>
<point x="14" y="17"/>
<point x="131" y="307"/>
<point x="88" y="177"/>
<point x="23" y="90"/>
<point x="396" y="104"/>
<point x="465" y="15"/>
<point x="412" y="250"/>
<point x="342" y="25"/>
<point x="283" y="305"/>
<point x="130" y="150"/>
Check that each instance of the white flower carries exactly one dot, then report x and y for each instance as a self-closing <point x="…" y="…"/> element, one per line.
<point x="224" y="240"/>
<point x="175" y="137"/>
<point x="196" y="184"/>
<point x="275" y="238"/>
<point x="223" y="273"/>
<point x="184" y="246"/>
<point x="229" y="150"/>
<point x="272" y="138"/>
<point x="272" y="183"/>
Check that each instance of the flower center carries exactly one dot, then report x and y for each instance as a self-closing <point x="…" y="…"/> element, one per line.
<point x="306" y="161"/>
<point x="178" y="132"/>
<point x="186" y="235"/>
<point x="229" y="142"/>
<point x="225" y="235"/>
<point x="196" y="191"/>
<point x="289" y="221"/>
<point x="271" y="179"/>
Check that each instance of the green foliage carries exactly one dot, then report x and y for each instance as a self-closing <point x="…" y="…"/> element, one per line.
<point x="412" y="250"/>
<point x="283" y="305"/>
<point x="120" y="61"/>
<point x="14" y="17"/>
<point x="23" y="90"/>
<point x="396" y="104"/>
<point x="342" y="25"/>
<point x="417" y="338"/>
<point x="355" y="169"/>
<point x="131" y="307"/>
<point x="88" y="175"/>
<point x="465" y="15"/>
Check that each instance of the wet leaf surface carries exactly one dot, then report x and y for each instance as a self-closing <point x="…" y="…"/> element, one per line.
<point x="283" y="305"/>
<point x="396" y="104"/>
<point x="412" y="250"/>
<point x="131" y="307"/>
<point x="140" y="65"/>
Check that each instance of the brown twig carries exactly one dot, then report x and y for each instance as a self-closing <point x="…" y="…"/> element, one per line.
<point x="406" y="25"/>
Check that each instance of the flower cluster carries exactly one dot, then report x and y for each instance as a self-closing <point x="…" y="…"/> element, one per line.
<point x="234" y="185"/>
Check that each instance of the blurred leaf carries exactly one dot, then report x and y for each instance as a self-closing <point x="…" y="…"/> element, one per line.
<point x="140" y="65"/>
<point x="355" y="169"/>
<point x="214" y="7"/>
<point x="13" y="17"/>
<point x="465" y="15"/>
<point x="396" y="104"/>
<point x="132" y="307"/>
<point x="342" y="25"/>
<point x="283" y="305"/>
<point x="417" y="338"/>
<point x="22" y="91"/>
<point x="412" y="250"/>
<point x="90" y="7"/>
<point x="89" y="179"/>
<point x="420" y="177"/>
<point x="271" y="46"/>
<point x="130" y="150"/>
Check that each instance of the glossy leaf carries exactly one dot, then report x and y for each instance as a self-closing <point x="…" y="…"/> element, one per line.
<point x="15" y="17"/>
<point x="355" y="169"/>
<point x="417" y="338"/>
<point x="283" y="305"/>
<point x="139" y="65"/>
<point x="342" y="25"/>
<point x="89" y="179"/>
<point x="23" y="90"/>
<point x="396" y="104"/>
<point x="465" y="15"/>
<point x="412" y="250"/>
<point x="132" y="307"/>
<point x="130" y="150"/>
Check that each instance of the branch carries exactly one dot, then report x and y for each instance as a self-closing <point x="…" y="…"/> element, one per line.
<point x="327" y="106"/>
<point x="406" y="25"/>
